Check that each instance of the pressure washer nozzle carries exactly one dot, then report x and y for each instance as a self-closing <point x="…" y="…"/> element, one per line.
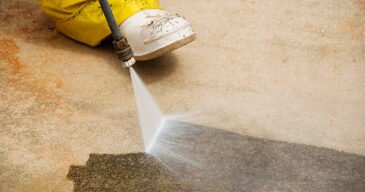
<point x="120" y="43"/>
<point x="129" y="63"/>
<point x="124" y="52"/>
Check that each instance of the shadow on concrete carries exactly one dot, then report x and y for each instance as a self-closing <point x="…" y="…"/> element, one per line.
<point x="150" y="71"/>
<point x="188" y="157"/>
<point x="157" y="69"/>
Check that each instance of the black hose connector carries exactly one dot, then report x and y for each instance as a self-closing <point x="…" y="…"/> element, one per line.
<point x="120" y="43"/>
<point x="123" y="49"/>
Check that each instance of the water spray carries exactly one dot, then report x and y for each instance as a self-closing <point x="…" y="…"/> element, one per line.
<point x="120" y="43"/>
<point x="150" y="117"/>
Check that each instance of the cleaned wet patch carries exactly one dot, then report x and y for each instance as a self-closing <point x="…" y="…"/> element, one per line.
<point x="196" y="158"/>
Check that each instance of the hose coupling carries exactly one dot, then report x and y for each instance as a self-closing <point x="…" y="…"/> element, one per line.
<point x="124" y="52"/>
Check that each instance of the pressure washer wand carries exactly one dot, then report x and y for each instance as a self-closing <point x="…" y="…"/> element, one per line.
<point x="120" y="43"/>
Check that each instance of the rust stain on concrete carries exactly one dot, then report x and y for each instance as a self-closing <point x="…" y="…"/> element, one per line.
<point x="17" y="74"/>
<point x="8" y="51"/>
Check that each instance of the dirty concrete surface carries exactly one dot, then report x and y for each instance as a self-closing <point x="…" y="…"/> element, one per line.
<point x="289" y="71"/>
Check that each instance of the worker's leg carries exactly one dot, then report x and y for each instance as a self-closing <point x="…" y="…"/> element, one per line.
<point x="84" y="21"/>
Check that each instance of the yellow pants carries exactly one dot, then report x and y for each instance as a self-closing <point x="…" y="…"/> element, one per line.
<point x="84" y="21"/>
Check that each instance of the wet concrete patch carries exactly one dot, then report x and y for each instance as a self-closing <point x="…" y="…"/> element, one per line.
<point x="130" y="172"/>
<point x="208" y="159"/>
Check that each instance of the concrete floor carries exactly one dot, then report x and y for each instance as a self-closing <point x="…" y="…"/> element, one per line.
<point x="282" y="70"/>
